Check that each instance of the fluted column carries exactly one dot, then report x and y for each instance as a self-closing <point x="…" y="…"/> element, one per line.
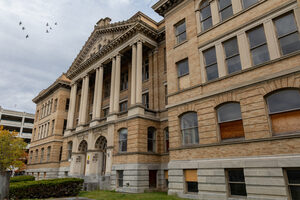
<point x="117" y="83"/>
<point x="139" y="63"/>
<point x="112" y="85"/>
<point x="85" y="93"/>
<point x="71" y="113"/>
<point x="95" y="93"/>
<point x="81" y="101"/>
<point x="99" y="93"/>
<point x="133" y="75"/>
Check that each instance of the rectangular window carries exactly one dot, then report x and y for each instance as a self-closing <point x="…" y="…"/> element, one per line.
<point x="36" y="156"/>
<point x="166" y="94"/>
<point x="106" y="90"/>
<point x="120" y="174"/>
<point x="180" y="32"/>
<point x="55" y="105"/>
<point x="42" y="155"/>
<point x="248" y="3"/>
<point x="105" y="112"/>
<point x="145" y="99"/>
<point x="205" y="16"/>
<point x="70" y="146"/>
<point x="183" y="67"/>
<point x="287" y="33"/>
<point x="191" y="180"/>
<point x="225" y="9"/>
<point x="145" y="70"/>
<point x="123" y="106"/>
<point x="232" y="54"/>
<point x="65" y="126"/>
<point x="258" y="45"/>
<point x="52" y="128"/>
<point x="293" y="181"/>
<point x="67" y="103"/>
<point x="48" y="153"/>
<point x="211" y="65"/>
<point x="166" y="178"/>
<point x="165" y="60"/>
<point x="124" y="81"/>
<point x="236" y="182"/>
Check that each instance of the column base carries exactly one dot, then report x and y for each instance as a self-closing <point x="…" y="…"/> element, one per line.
<point x="136" y="110"/>
<point x="95" y="122"/>
<point x="112" y="117"/>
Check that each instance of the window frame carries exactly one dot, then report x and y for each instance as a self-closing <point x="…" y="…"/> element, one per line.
<point x="178" y="34"/>
<point x="187" y="64"/>
<point x="221" y="10"/>
<point x="232" y="56"/>
<point x="124" y="81"/>
<point x="151" y="140"/>
<point x="145" y="70"/>
<point x="119" y="179"/>
<point x="234" y="182"/>
<point x="123" y="141"/>
<point x="207" y="18"/>
<point x="121" y="104"/>
<point x="70" y="146"/>
<point x="166" y="139"/>
<point x="190" y="128"/>
<point x="243" y="4"/>
<point x="145" y="100"/>
<point x="285" y="173"/>
<point x="211" y="64"/>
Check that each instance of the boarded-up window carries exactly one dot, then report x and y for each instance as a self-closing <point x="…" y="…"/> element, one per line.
<point x="284" y="111"/>
<point x="191" y="180"/>
<point x="230" y="121"/>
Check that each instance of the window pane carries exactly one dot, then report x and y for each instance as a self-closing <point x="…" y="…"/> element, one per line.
<point x="290" y="43"/>
<point x="238" y="189"/>
<point x="285" y="24"/>
<point x="192" y="186"/>
<point x="293" y="176"/>
<point x="191" y="136"/>
<point x="205" y="13"/>
<point x="236" y="175"/>
<point x="210" y="56"/>
<point x="234" y="64"/>
<point x="229" y="112"/>
<point x="224" y="3"/>
<point x="189" y="120"/>
<point x="183" y="67"/>
<point x="248" y="3"/>
<point x="260" y="55"/>
<point x="231" y="47"/>
<point x="212" y="72"/>
<point x="226" y="13"/>
<point x="204" y="4"/>
<point x="256" y="36"/>
<point x="284" y="100"/>
<point x="207" y="24"/>
<point x="180" y="28"/>
<point x="181" y="37"/>
<point x="295" y="192"/>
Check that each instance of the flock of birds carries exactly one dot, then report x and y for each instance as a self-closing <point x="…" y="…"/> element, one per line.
<point x="48" y="28"/>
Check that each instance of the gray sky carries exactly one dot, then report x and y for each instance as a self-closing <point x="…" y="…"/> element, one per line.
<point x="29" y="65"/>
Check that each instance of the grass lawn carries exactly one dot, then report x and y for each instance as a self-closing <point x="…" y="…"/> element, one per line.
<point x="111" y="195"/>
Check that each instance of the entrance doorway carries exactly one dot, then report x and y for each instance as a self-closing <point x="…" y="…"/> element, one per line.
<point x="82" y="149"/>
<point x="101" y="145"/>
<point x="152" y="178"/>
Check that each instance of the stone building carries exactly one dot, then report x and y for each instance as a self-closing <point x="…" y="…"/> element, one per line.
<point x="204" y="104"/>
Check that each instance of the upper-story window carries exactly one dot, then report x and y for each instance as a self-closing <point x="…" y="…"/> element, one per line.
<point x="48" y="153"/>
<point x="124" y="81"/>
<point x="205" y="15"/>
<point x="248" y="3"/>
<point x="123" y="106"/>
<point x="70" y="146"/>
<point x="145" y="99"/>
<point x="189" y="128"/>
<point x="287" y="33"/>
<point x="225" y="9"/>
<point x="106" y="91"/>
<point x="36" y="155"/>
<point x="151" y="136"/>
<point x="183" y="67"/>
<point x="123" y="140"/>
<point x="258" y="45"/>
<point x="105" y="112"/>
<point x="67" y="104"/>
<point x="42" y="155"/>
<point x="232" y="55"/>
<point x="166" y="136"/>
<point x="284" y="111"/>
<point x="145" y="70"/>
<point x="230" y="121"/>
<point x="55" y="105"/>
<point x="180" y="31"/>
<point x="211" y="65"/>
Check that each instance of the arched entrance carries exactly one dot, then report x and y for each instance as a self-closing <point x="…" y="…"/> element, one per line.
<point x="101" y="145"/>
<point x="82" y="149"/>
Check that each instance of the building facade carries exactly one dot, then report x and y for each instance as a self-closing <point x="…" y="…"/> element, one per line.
<point x="204" y="104"/>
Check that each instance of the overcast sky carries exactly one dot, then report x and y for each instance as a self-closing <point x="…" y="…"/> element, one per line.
<point x="29" y="65"/>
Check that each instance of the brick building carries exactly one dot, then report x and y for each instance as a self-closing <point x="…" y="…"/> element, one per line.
<point x="204" y="104"/>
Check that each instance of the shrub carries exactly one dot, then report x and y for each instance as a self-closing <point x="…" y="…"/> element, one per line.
<point x="21" y="179"/>
<point x="45" y="188"/>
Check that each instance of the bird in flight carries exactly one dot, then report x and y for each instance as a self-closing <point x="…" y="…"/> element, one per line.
<point x="23" y="28"/>
<point x="47" y="24"/>
<point x="20" y="23"/>
<point x="50" y="28"/>
<point x="55" y="23"/>
<point x="27" y="36"/>
<point x="47" y="31"/>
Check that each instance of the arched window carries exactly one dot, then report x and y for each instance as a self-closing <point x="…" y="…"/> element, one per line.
<point x="284" y="110"/>
<point x="189" y="128"/>
<point x="83" y="146"/>
<point x="166" y="135"/>
<point x="151" y="139"/>
<point x="230" y="121"/>
<point x="205" y="15"/>
<point x="48" y="153"/>
<point x="123" y="140"/>
<point x="70" y="146"/>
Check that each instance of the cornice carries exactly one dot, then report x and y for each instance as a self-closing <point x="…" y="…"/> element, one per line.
<point x="163" y="6"/>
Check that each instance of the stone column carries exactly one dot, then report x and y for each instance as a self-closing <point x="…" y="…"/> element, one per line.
<point x="271" y="38"/>
<point x="117" y="83"/>
<point x="198" y="21"/>
<point x="156" y="77"/>
<point x="221" y="60"/>
<point x="133" y="75"/>
<point x="71" y="113"/>
<point x="81" y="101"/>
<point x="95" y="94"/>
<point x="139" y="72"/>
<point x="99" y="93"/>
<point x="112" y="85"/>
<point x="215" y="12"/>
<point x="82" y="119"/>
<point x="243" y="45"/>
<point x="236" y="6"/>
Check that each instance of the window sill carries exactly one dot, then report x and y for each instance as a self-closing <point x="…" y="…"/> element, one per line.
<point x="183" y="75"/>
<point x="181" y="43"/>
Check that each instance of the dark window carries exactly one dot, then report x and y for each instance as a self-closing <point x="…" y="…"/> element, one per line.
<point x="180" y="32"/>
<point x="123" y="140"/>
<point x="65" y="125"/>
<point x="60" y="153"/>
<point x="123" y="106"/>
<point x="183" y="67"/>
<point x="248" y="3"/>
<point x="99" y="47"/>
<point x="211" y="65"/>
<point x="258" y="45"/>
<point x="232" y="55"/>
<point x="124" y="81"/>
<point x="151" y="139"/>
<point x="236" y="182"/>
<point x="120" y="174"/>
<point x="293" y="178"/>
<point x="105" y="112"/>
<point x="152" y="178"/>
<point x="225" y="9"/>
<point x="145" y="70"/>
<point x="205" y="15"/>
<point x="106" y="90"/>
<point x="48" y="153"/>
<point x="166" y="94"/>
<point x="189" y="128"/>
<point x="145" y="99"/>
<point x="166" y="134"/>
<point x="287" y="33"/>
<point x="230" y="121"/>
<point x="70" y="146"/>
<point x="55" y="105"/>
<point x="165" y="60"/>
<point x="67" y="104"/>
<point x="284" y="111"/>
<point x="42" y="155"/>
<point x="191" y="180"/>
